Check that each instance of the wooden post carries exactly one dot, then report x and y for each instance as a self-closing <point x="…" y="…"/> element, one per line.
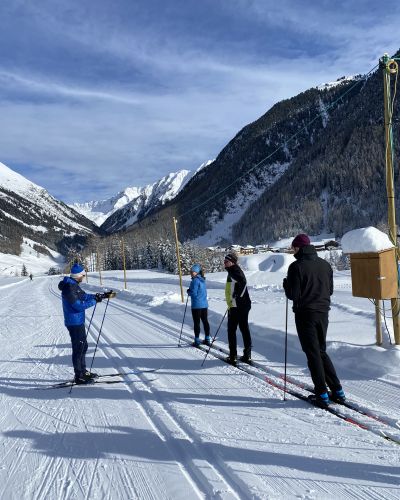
<point x="178" y="257"/>
<point x="378" y="323"/>
<point x="123" y="261"/>
<point x="390" y="67"/>
<point x="98" y="266"/>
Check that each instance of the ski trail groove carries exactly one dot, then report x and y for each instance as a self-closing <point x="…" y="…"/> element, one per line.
<point x="388" y="421"/>
<point x="167" y="424"/>
<point x="254" y="371"/>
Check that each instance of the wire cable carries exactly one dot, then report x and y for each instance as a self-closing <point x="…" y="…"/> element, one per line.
<point x="281" y="146"/>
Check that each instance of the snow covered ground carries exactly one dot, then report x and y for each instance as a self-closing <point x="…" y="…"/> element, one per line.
<point x="188" y="431"/>
<point x="34" y="262"/>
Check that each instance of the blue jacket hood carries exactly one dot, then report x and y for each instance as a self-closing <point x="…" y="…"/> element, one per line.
<point x="66" y="280"/>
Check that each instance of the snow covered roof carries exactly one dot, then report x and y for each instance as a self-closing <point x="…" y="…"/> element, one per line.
<point x="365" y="239"/>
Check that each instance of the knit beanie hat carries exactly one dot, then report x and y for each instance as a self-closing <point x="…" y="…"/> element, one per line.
<point x="300" y="241"/>
<point x="196" y="268"/>
<point x="231" y="257"/>
<point x="77" y="270"/>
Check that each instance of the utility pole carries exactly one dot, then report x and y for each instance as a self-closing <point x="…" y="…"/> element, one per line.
<point x="123" y="260"/>
<point x="390" y="67"/>
<point x="98" y="265"/>
<point x="178" y="257"/>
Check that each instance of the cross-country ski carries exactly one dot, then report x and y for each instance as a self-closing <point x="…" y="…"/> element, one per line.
<point x="100" y="378"/>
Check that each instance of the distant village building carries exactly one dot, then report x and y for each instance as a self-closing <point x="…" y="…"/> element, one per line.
<point x="262" y="248"/>
<point x="247" y="250"/>
<point x="234" y="248"/>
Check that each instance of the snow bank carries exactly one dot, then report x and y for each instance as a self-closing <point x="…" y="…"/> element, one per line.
<point x="35" y="263"/>
<point x="365" y="239"/>
<point x="270" y="262"/>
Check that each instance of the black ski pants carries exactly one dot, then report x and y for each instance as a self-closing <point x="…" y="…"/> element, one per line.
<point x="197" y="315"/>
<point x="311" y="329"/>
<point x="239" y="317"/>
<point x="79" y="348"/>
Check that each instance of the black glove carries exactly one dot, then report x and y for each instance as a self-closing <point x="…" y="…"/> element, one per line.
<point x="109" y="295"/>
<point x="284" y="284"/>
<point x="98" y="297"/>
<point x="188" y="290"/>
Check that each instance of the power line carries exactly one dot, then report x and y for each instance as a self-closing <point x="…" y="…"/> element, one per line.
<point x="281" y="146"/>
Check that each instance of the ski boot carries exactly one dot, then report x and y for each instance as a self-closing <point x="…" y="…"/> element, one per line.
<point x="196" y="342"/>
<point x="207" y="341"/>
<point x="231" y="360"/>
<point x="321" y="400"/>
<point x="90" y="375"/>
<point x="82" y="380"/>
<point x="338" y="396"/>
<point x="246" y="358"/>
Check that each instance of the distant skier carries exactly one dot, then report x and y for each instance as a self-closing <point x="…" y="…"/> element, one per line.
<point x="75" y="301"/>
<point x="309" y="284"/>
<point x="31" y="276"/>
<point x="198" y="296"/>
<point x="239" y="305"/>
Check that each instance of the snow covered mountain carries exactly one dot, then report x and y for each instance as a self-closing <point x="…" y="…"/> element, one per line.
<point x="313" y="163"/>
<point x="28" y="211"/>
<point x="134" y="203"/>
<point x="99" y="211"/>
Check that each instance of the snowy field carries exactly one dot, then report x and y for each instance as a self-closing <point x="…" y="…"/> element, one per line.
<point x="187" y="431"/>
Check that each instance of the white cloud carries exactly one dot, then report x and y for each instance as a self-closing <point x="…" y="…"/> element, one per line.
<point x="179" y="102"/>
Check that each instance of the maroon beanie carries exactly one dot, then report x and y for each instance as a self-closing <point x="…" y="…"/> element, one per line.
<point x="300" y="241"/>
<point x="231" y="257"/>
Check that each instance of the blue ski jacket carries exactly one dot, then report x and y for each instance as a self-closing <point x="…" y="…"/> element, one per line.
<point x="74" y="301"/>
<point x="198" y="292"/>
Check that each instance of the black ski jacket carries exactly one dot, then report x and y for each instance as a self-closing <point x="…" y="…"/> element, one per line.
<point x="309" y="282"/>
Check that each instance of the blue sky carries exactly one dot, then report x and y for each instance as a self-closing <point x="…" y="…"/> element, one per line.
<point x="98" y="95"/>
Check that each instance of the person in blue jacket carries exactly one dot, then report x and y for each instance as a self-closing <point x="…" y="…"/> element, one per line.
<point x="75" y="301"/>
<point x="198" y="295"/>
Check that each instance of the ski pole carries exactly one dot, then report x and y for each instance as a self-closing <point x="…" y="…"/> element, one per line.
<point x="184" y="314"/>
<point x="86" y="336"/>
<point x="215" y="336"/>
<point x="90" y="322"/>
<point x="98" y="337"/>
<point x="284" y="385"/>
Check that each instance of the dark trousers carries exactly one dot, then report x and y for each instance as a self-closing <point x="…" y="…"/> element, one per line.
<point x="239" y="317"/>
<point x="311" y="329"/>
<point x="197" y="315"/>
<point x="79" y="348"/>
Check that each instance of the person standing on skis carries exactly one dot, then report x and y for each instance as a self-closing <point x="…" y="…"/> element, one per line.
<point x="239" y="305"/>
<point x="309" y="284"/>
<point x="197" y="292"/>
<point x="75" y="301"/>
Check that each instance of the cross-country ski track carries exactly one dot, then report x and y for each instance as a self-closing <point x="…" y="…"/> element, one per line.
<point x="184" y="431"/>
